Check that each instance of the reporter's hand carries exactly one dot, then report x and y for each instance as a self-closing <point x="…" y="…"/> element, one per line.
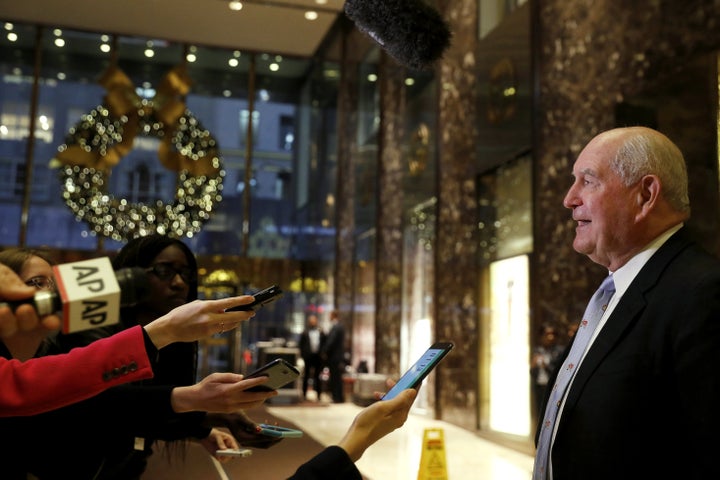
<point x="219" y="440"/>
<point x="198" y="319"/>
<point x="219" y="393"/>
<point x="376" y="421"/>
<point x="25" y="318"/>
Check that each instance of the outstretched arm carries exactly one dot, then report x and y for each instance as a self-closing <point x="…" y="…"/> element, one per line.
<point x="369" y="426"/>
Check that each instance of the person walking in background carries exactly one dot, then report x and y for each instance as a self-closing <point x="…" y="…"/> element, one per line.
<point x="643" y="396"/>
<point x="311" y="343"/>
<point x="543" y="362"/>
<point x="333" y="354"/>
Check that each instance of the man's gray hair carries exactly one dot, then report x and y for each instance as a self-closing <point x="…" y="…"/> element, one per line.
<point x="643" y="153"/>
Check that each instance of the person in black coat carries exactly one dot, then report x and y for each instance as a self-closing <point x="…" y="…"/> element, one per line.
<point x="312" y="340"/>
<point x="333" y="354"/>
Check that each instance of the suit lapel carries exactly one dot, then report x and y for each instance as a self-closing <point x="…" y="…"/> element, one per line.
<point x="626" y="312"/>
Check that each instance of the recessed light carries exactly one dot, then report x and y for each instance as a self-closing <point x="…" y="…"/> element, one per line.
<point x="235" y="5"/>
<point x="311" y="15"/>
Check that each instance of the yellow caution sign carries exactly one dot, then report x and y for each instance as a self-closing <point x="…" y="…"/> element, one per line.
<point x="432" y="461"/>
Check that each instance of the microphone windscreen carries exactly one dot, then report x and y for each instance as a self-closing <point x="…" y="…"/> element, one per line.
<point x="134" y="285"/>
<point x="410" y="31"/>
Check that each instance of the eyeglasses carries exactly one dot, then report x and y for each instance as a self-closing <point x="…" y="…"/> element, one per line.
<point x="41" y="282"/>
<point x="166" y="271"/>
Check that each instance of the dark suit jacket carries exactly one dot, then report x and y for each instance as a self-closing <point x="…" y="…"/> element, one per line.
<point x="334" y="347"/>
<point x="305" y="351"/>
<point x="645" y="402"/>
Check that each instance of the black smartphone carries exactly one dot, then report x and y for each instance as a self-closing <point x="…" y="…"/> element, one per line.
<point x="417" y="373"/>
<point x="280" y="371"/>
<point x="263" y="297"/>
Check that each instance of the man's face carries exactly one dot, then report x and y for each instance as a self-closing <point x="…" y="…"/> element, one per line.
<point x="603" y="208"/>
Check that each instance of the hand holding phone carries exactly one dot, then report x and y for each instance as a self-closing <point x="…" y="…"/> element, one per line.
<point x="280" y="373"/>
<point x="262" y="298"/>
<point x="417" y="373"/>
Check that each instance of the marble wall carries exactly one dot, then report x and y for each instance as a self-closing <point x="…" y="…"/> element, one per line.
<point x="592" y="57"/>
<point x="456" y="274"/>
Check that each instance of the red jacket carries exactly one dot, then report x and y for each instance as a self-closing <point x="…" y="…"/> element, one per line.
<point x="46" y="383"/>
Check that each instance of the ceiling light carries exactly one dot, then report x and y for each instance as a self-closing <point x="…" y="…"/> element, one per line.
<point x="149" y="52"/>
<point x="372" y="77"/>
<point x="57" y="32"/>
<point x="233" y="62"/>
<point x="191" y="57"/>
<point x="235" y="5"/>
<point x="274" y="67"/>
<point x="59" y="42"/>
<point x="105" y="48"/>
<point x="12" y="36"/>
<point x="311" y="15"/>
<point x="8" y="26"/>
<point x="321" y="2"/>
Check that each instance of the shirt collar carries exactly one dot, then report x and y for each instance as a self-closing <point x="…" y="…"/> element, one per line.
<point x="624" y="275"/>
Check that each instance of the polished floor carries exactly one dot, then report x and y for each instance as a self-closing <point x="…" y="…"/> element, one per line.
<point x="398" y="455"/>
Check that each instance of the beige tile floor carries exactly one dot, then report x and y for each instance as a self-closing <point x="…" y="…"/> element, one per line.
<point x="397" y="456"/>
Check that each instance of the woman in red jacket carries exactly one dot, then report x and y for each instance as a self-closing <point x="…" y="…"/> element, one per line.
<point x="48" y="383"/>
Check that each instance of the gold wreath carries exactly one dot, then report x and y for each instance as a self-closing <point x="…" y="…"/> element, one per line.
<point x="106" y="134"/>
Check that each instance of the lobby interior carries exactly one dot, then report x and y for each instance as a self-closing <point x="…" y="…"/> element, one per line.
<point x="422" y="205"/>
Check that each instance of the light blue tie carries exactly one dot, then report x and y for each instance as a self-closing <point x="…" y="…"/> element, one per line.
<point x="591" y="318"/>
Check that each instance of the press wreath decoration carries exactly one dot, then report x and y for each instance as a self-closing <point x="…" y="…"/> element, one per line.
<point x="106" y="134"/>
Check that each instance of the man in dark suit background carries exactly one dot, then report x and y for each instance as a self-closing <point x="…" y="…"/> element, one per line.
<point x="645" y="399"/>
<point x="333" y="354"/>
<point x="311" y="343"/>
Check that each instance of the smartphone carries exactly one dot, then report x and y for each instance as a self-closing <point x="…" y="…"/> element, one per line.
<point x="280" y="372"/>
<point x="262" y="298"/>
<point x="234" y="452"/>
<point x="276" y="431"/>
<point x="417" y="373"/>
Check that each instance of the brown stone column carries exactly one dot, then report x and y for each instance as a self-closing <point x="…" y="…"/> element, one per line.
<point x="456" y="273"/>
<point x="389" y="244"/>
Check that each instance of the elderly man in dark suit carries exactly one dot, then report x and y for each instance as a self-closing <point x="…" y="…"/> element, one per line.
<point x="644" y="399"/>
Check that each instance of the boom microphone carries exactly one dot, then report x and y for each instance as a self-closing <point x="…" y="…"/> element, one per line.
<point x="410" y="31"/>
<point x="89" y="294"/>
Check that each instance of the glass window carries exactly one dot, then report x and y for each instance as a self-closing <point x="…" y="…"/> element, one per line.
<point x="17" y="50"/>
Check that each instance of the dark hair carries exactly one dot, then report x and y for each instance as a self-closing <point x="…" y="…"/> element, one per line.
<point x="141" y="251"/>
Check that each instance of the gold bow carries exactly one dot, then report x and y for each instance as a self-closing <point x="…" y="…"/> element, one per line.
<point x="136" y="115"/>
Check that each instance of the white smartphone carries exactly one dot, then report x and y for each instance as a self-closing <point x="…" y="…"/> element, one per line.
<point x="417" y="373"/>
<point x="234" y="452"/>
<point x="280" y="372"/>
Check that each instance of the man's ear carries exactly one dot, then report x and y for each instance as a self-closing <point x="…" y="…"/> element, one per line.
<point x="648" y="193"/>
